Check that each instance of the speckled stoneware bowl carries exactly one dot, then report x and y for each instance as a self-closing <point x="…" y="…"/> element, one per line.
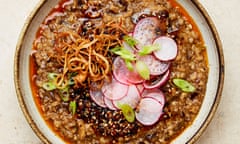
<point x="214" y="85"/>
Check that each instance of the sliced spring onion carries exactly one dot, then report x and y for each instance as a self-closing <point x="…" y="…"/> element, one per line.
<point x="71" y="81"/>
<point x="115" y="49"/>
<point x="143" y="70"/>
<point x="129" y="65"/>
<point x="49" y="86"/>
<point x="73" y="107"/>
<point x="128" y="112"/>
<point x="130" y="40"/>
<point x="64" y="93"/>
<point x="123" y="53"/>
<point x="184" y="85"/>
<point x="148" y="49"/>
<point x="52" y="76"/>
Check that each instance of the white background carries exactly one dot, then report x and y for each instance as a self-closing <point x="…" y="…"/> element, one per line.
<point x="225" y="126"/>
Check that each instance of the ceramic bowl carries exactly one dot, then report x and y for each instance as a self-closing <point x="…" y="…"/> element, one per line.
<point x="214" y="84"/>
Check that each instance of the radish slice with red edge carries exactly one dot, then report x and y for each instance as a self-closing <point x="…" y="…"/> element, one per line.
<point x="109" y="103"/>
<point x="134" y="77"/>
<point x="123" y="75"/>
<point x="132" y="98"/>
<point x="145" y="31"/>
<point x="97" y="97"/>
<point x="127" y="47"/>
<point x="120" y="70"/>
<point x="149" y="111"/>
<point x="168" y="48"/>
<point x="158" y="81"/>
<point x="155" y="66"/>
<point x="114" y="90"/>
<point x="140" y="88"/>
<point x="157" y="95"/>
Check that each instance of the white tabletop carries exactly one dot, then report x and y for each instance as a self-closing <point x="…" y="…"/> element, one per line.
<point x="225" y="126"/>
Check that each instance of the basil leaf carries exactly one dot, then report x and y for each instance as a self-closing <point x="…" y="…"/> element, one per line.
<point x="184" y="85"/>
<point x="143" y="70"/>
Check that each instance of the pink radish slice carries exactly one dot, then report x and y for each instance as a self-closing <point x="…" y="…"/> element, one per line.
<point x="149" y="111"/>
<point x="147" y="91"/>
<point x="120" y="70"/>
<point x="157" y="95"/>
<point x="123" y="75"/>
<point x="109" y="103"/>
<point x="168" y="48"/>
<point x="132" y="98"/>
<point x="146" y="31"/>
<point x="155" y="66"/>
<point x="114" y="90"/>
<point x="158" y="81"/>
<point x="134" y="77"/>
<point x="97" y="97"/>
<point x="127" y="47"/>
<point x="140" y="88"/>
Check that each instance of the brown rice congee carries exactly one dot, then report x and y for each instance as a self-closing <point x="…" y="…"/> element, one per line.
<point x="72" y="54"/>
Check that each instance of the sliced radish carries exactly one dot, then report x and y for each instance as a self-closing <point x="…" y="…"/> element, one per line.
<point x="155" y="94"/>
<point x="128" y="47"/>
<point x="146" y="31"/>
<point x="109" y="103"/>
<point x="114" y="90"/>
<point x="97" y="97"/>
<point x="168" y="48"/>
<point x="123" y="75"/>
<point x="149" y="111"/>
<point x="157" y="81"/>
<point x="120" y="70"/>
<point x="134" y="77"/>
<point x="132" y="98"/>
<point x="140" y="88"/>
<point x="155" y="66"/>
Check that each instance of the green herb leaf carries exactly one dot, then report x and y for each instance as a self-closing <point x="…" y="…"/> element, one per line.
<point x="115" y="49"/>
<point x="130" y="40"/>
<point x="129" y="65"/>
<point x="52" y="76"/>
<point x="70" y="77"/>
<point x="49" y="86"/>
<point x="73" y="107"/>
<point x="64" y="94"/>
<point x="143" y="70"/>
<point x="184" y="85"/>
<point x="128" y="112"/>
<point x="148" y="49"/>
<point x="123" y="53"/>
<point x="71" y="81"/>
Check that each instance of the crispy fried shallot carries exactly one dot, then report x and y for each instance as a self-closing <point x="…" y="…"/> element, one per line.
<point x="89" y="56"/>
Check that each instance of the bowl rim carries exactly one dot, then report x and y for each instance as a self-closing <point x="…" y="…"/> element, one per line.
<point x="193" y="139"/>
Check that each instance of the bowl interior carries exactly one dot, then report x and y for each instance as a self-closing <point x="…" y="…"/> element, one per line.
<point x="37" y="122"/>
